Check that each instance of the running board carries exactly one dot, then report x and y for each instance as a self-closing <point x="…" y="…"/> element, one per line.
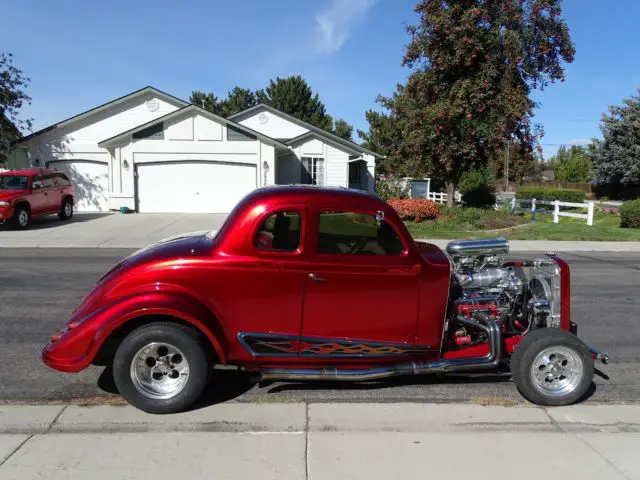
<point x="489" y="361"/>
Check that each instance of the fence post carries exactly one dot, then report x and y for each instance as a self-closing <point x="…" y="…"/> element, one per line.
<point x="556" y="211"/>
<point x="513" y="205"/>
<point x="533" y="209"/>
<point x="590" y="213"/>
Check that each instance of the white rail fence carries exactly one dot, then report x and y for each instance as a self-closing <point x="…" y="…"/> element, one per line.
<point x="556" y="212"/>
<point x="441" y="197"/>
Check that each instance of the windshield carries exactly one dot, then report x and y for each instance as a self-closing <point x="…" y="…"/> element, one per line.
<point x="13" y="182"/>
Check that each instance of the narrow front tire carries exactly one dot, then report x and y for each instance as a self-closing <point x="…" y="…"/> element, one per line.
<point x="552" y="367"/>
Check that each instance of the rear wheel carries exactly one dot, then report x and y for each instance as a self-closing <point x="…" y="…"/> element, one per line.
<point x="162" y="367"/>
<point x="66" y="212"/>
<point x="21" y="216"/>
<point x="552" y="367"/>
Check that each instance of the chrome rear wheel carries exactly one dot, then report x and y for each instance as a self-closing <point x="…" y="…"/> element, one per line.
<point x="160" y="370"/>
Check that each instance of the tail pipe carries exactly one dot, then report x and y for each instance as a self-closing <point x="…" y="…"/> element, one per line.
<point x="491" y="360"/>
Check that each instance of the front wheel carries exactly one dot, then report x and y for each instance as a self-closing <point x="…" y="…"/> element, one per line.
<point x="552" y="367"/>
<point x="162" y="367"/>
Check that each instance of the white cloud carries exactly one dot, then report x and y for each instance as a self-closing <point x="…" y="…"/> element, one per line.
<point x="335" y="23"/>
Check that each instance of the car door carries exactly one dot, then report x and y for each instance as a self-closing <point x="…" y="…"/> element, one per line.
<point x="361" y="296"/>
<point x="267" y="305"/>
<point x="52" y="193"/>
<point x="37" y="197"/>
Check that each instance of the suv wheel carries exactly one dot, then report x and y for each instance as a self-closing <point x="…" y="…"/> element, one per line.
<point x="21" y="217"/>
<point x="66" y="212"/>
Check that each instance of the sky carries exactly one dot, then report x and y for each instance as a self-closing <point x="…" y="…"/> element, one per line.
<point x="80" y="54"/>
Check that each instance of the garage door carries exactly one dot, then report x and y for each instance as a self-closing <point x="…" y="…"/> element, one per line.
<point x="91" y="181"/>
<point x="193" y="187"/>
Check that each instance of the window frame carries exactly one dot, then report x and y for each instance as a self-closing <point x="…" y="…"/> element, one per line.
<point x="301" y="210"/>
<point x="314" y="234"/>
<point x="303" y="172"/>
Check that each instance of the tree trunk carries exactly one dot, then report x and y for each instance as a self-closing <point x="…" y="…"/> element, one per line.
<point x="451" y="191"/>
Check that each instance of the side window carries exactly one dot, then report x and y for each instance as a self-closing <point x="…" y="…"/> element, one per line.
<point x="279" y="232"/>
<point x="37" y="182"/>
<point x="62" y="180"/>
<point x="354" y="233"/>
<point x="49" y="180"/>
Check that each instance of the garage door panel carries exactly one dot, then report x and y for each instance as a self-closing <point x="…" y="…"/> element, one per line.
<point x="91" y="182"/>
<point x="193" y="187"/>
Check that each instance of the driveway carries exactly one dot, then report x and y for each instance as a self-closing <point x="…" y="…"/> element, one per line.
<point x="109" y="230"/>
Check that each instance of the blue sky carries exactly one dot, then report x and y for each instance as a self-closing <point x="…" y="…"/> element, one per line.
<point x="348" y="50"/>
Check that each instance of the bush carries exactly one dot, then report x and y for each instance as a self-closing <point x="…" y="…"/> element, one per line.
<point x="390" y="187"/>
<point x="472" y="179"/>
<point x="630" y="214"/>
<point x="551" y="193"/>
<point x="481" y="196"/>
<point x="415" y="209"/>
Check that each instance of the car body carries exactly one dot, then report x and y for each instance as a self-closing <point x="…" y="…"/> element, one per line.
<point x="305" y="283"/>
<point x="35" y="192"/>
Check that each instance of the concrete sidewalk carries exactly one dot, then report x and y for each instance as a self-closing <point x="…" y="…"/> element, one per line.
<point x="135" y="231"/>
<point x="321" y="441"/>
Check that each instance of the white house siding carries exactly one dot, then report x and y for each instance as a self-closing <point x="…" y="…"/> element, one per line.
<point x="76" y="145"/>
<point x="189" y="141"/>
<point x="271" y="125"/>
<point x="337" y="167"/>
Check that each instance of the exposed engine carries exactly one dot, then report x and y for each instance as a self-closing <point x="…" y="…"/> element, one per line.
<point x="519" y="296"/>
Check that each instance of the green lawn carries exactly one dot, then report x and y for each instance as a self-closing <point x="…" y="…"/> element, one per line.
<point x="605" y="227"/>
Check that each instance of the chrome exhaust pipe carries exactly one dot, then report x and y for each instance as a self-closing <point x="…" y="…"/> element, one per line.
<point x="491" y="360"/>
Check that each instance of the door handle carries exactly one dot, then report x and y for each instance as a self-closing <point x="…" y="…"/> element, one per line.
<point x="316" y="278"/>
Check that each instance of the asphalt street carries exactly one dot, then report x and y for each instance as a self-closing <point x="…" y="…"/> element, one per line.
<point x="40" y="287"/>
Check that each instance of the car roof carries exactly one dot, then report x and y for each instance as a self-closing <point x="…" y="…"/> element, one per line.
<point x="307" y="193"/>
<point x="26" y="171"/>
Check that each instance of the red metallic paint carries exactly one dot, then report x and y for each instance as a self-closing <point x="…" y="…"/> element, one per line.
<point x="224" y="286"/>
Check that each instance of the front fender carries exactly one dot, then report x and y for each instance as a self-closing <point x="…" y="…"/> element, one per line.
<point x="75" y="348"/>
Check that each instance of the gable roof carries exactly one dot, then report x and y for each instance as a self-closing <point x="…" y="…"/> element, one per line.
<point x="201" y="111"/>
<point x="325" y="139"/>
<point x="313" y="128"/>
<point x="80" y="116"/>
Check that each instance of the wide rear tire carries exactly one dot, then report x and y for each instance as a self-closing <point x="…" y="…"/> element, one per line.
<point x="552" y="367"/>
<point x="162" y="367"/>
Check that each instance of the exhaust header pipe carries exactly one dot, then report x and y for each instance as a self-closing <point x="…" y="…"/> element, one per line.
<point x="413" y="368"/>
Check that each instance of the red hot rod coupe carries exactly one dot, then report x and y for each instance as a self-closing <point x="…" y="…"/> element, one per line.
<point x="314" y="283"/>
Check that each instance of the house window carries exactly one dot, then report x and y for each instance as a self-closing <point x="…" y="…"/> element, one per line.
<point x="312" y="170"/>
<point x="235" y="135"/>
<point x="154" y="132"/>
<point x="279" y="232"/>
<point x="353" y="233"/>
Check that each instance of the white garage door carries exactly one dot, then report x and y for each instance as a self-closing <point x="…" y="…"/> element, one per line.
<point x="193" y="187"/>
<point x="91" y="181"/>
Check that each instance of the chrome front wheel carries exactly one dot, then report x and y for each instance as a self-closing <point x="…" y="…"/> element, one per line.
<point x="557" y="371"/>
<point x="162" y="367"/>
<point x="160" y="370"/>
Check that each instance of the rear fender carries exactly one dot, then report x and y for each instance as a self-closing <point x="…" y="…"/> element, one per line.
<point x="173" y="304"/>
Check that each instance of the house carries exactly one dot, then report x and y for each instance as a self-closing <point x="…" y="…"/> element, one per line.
<point x="154" y="153"/>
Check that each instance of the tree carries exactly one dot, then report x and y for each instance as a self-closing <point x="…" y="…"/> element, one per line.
<point x="208" y="101"/>
<point x="238" y="99"/>
<point x="342" y="129"/>
<point x="616" y="157"/>
<point x="12" y="99"/>
<point x="385" y="136"/>
<point x="473" y="67"/>
<point x="572" y="165"/>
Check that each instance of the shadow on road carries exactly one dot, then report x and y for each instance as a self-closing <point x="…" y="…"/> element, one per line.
<point x="52" y="221"/>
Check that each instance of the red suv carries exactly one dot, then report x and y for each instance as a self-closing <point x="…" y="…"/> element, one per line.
<point x="34" y="192"/>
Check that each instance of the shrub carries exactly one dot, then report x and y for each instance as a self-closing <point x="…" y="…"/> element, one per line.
<point x="472" y="179"/>
<point x="630" y="214"/>
<point x="415" y="209"/>
<point x="391" y="187"/>
<point x="551" y="193"/>
<point x="480" y="196"/>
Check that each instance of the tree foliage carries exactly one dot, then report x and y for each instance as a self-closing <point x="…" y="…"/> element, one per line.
<point x="616" y="157"/>
<point x="474" y="64"/>
<point x="12" y="99"/>
<point x="291" y="95"/>
<point x="572" y="165"/>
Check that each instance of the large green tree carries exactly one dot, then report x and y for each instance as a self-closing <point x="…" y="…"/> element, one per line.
<point x="474" y="65"/>
<point x="208" y="101"/>
<point x="572" y="165"/>
<point x="12" y="99"/>
<point x="237" y="100"/>
<point x="616" y="156"/>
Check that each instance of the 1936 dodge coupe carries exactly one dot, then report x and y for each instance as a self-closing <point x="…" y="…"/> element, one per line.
<point x="314" y="283"/>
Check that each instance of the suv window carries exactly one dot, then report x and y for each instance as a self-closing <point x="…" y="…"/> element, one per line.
<point x="61" y="179"/>
<point x="49" y="180"/>
<point x="354" y="233"/>
<point x="13" y="182"/>
<point x="279" y="232"/>
<point x="37" y="182"/>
